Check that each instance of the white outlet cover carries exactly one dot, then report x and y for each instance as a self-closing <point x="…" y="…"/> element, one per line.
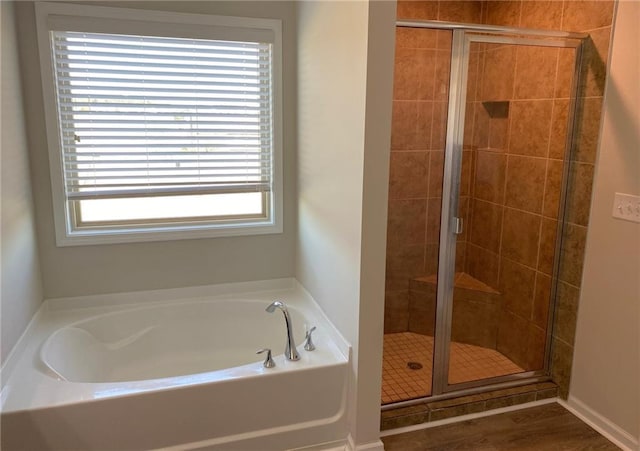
<point x="627" y="207"/>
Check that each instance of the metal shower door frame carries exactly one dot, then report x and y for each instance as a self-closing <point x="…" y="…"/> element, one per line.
<point x="462" y="39"/>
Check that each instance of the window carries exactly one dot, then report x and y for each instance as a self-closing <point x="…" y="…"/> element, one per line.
<point x="160" y="125"/>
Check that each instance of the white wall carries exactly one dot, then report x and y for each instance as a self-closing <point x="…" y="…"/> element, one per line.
<point x="345" y="64"/>
<point x="380" y="51"/>
<point x="83" y="270"/>
<point x="21" y="290"/>
<point x="332" y="58"/>
<point x="606" y="365"/>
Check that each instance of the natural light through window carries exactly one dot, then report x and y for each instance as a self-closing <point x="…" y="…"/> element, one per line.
<point x="171" y="207"/>
<point x="159" y="130"/>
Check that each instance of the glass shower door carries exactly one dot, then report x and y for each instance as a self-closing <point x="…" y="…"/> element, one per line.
<point x="507" y="160"/>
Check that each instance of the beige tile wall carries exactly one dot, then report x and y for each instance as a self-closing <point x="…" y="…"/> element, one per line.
<point x="595" y="18"/>
<point x="515" y="177"/>
<point x="417" y="145"/>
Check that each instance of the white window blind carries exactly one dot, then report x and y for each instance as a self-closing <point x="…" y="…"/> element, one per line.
<point x="146" y="115"/>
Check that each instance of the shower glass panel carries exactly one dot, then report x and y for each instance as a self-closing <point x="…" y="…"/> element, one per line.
<point x="481" y="132"/>
<point x="420" y="103"/>
<point x="514" y="136"/>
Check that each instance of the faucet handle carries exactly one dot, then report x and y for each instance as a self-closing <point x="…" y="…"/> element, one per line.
<point x="308" y="344"/>
<point x="268" y="362"/>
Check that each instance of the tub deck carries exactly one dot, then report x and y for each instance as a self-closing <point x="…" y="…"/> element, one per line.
<point x="248" y="406"/>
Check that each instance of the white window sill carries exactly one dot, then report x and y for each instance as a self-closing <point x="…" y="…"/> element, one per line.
<point x="164" y="233"/>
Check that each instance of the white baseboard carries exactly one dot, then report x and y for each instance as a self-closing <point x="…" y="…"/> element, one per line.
<point x="375" y="445"/>
<point x="338" y="445"/>
<point x="601" y="424"/>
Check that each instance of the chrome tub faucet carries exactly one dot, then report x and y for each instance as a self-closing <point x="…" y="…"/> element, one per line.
<point x="290" y="351"/>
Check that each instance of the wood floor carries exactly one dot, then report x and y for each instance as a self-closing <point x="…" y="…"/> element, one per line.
<point x="548" y="427"/>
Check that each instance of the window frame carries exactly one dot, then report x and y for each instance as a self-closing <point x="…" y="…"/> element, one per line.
<point x="102" y="19"/>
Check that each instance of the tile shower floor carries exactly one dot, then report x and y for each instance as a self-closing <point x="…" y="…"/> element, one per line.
<point x="468" y="362"/>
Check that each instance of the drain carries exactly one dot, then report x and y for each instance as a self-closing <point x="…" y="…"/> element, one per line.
<point x="414" y="365"/>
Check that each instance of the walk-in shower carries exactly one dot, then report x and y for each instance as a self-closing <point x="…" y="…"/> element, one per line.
<point x="481" y="138"/>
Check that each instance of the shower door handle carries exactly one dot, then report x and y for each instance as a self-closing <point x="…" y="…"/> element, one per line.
<point x="457" y="225"/>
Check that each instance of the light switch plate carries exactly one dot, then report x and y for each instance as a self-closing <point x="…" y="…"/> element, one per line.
<point x="627" y="207"/>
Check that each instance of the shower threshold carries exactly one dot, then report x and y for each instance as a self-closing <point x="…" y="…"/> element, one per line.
<point x="408" y="365"/>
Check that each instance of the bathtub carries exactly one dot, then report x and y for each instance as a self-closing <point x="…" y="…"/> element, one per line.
<point x="175" y="370"/>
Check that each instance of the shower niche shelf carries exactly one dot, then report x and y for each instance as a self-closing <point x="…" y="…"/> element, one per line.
<point x="497" y="108"/>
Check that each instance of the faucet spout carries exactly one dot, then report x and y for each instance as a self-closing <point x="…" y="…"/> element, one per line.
<point x="290" y="351"/>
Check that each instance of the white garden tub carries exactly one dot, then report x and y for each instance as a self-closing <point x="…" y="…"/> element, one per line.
<point x="175" y="373"/>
